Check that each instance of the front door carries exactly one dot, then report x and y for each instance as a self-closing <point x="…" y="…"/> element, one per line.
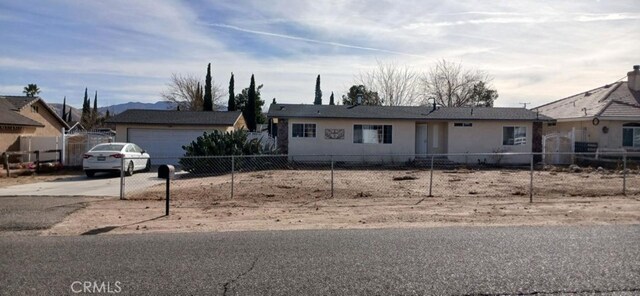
<point x="421" y="138"/>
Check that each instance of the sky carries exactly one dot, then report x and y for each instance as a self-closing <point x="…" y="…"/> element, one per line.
<point x="537" y="51"/>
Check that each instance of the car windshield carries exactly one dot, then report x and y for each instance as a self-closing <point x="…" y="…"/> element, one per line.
<point x="108" y="147"/>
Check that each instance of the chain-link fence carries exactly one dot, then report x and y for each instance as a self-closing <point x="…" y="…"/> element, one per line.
<point x="309" y="177"/>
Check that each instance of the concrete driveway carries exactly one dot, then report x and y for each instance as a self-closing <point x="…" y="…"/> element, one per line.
<point x="101" y="185"/>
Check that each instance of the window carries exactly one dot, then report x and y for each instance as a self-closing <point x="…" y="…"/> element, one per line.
<point x="514" y="135"/>
<point x="462" y="124"/>
<point x="303" y="130"/>
<point x="372" y="134"/>
<point x="631" y="135"/>
<point x="34" y="108"/>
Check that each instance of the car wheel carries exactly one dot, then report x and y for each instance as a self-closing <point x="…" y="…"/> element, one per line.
<point x="129" y="171"/>
<point x="148" y="166"/>
<point x="90" y="174"/>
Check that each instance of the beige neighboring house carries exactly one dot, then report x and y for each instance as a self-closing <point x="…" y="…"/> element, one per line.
<point x="402" y="133"/>
<point x="605" y="119"/>
<point x="27" y="117"/>
<point x="162" y="133"/>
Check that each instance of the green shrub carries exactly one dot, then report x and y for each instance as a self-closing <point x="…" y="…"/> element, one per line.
<point x="206" y="154"/>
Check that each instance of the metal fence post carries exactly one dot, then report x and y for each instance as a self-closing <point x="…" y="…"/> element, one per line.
<point x="624" y="174"/>
<point x="122" y="178"/>
<point x="37" y="152"/>
<point x="167" y="196"/>
<point x="531" y="181"/>
<point x="233" y="168"/>
<point x="431" y="178"/>
<point x="331" y="175"/>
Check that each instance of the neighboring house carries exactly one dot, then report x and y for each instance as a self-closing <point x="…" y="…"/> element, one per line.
<point x="162" y="133"/>
<point x="606" y="118"/>
<point x="402" y="133"/>
<point x="75" y="127"/>
<point x="27" y="116"/>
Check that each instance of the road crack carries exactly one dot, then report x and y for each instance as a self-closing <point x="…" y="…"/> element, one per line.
<point x="228" y="283"/>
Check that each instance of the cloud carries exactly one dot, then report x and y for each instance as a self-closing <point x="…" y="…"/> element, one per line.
<point x="315" y="40"/>
<point x="537" y="50"/>
<point x="519" y="18"/>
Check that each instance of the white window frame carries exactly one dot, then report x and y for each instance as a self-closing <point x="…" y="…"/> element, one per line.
<point x="304" y="130"/>
<point x="373" y="143"/>
<point x="516" y="141"/>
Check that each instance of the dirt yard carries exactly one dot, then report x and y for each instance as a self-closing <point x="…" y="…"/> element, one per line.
<point x="302" y="185"/>
<point x="275" y="200"/>
<point x="29" y="177"/>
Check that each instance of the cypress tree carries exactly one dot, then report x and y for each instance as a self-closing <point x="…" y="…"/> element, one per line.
<point x="208" y="99"/>
<point x="94" y="112"/>
<point x="231" y="105"/>
<point x="318" y="100"/>
<point x="331" y="101"/>
<point x="64" y="108"/>
<point x="86" y="109"/>
<point x="250" y="109"/>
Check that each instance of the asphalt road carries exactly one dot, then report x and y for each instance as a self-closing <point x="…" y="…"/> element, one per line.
<point x="20" y="213"/>
<point x="101" y="185"/>
<point x="436" y="261"/>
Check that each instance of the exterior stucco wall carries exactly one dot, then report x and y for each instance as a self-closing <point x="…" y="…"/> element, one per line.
<point x="9" y="138"/>
<point x="52" y="127"/>
<point x="240" y="124"/>
<point x="121" y="129"/>
<point x="402" y="146"/>
<point x="486" y="137"/>
<point x="585" y="131"/>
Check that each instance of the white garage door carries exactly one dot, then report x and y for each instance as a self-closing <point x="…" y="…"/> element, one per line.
<point x="164" y="146"/>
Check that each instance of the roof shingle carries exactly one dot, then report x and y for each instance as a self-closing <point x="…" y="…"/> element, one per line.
<point x="607" y="100"/>
<point x="402" y="112"/>
<point x="10" y="116"/>
<point x="173" y="117"/>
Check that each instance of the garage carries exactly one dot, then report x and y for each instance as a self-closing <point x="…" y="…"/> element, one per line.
<point x="164" y="145"/>
<point x="162" y="133"/>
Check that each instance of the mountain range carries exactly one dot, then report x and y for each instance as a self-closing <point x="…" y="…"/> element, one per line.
<point x="115" y="109"/>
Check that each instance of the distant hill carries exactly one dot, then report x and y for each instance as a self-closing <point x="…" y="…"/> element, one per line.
<point x="75" y="113"/>
<point x="119" y="108"/>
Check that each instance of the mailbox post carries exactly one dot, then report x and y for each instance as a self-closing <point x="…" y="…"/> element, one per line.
<point x="167" y="172"/>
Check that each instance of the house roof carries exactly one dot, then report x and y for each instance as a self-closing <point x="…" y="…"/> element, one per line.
<point x="403" y="112"/>
<point x="487" y="113"/>
<point x="347" y="111"/>
<point x="16" y="103"/>
<point x="611" y="100"/>
<point x="20" y="101"/>
<point x="10" y="116"/>
<point x="173" y="117"/>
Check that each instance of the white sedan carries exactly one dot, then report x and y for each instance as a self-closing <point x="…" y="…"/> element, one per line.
<point x="108" y="157"/>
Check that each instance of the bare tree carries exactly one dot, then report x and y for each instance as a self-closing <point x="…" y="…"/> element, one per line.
<point x="187" y="92"/>
<point x="453" y="86"/>
<point x="396" y="85"/>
